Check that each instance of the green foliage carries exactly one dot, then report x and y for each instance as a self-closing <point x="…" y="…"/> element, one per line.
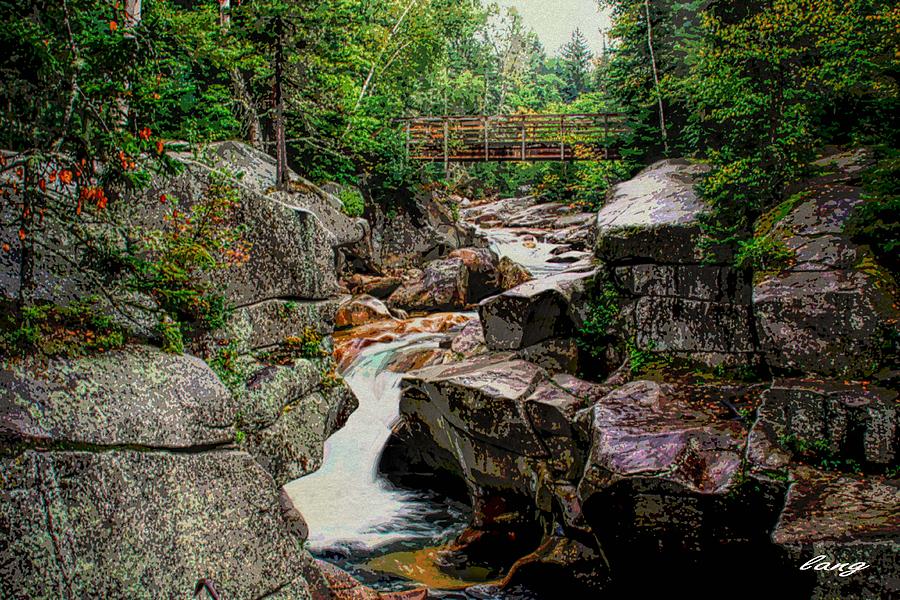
<point x="353" y="202"/>
<point x="641" y="358"/>
<point x="582" y="183"/>
<point x="171" y="335"/>
<point x="755" y="88"/>
<point x="175" y="265"/>
<point x="876" y="222"/>
<point x="46" y="330"/>
<point x="576" y="66"/>
<point x="602" y="312"/>
<point x="765" y="253"/>
<point x="226" y="364"/>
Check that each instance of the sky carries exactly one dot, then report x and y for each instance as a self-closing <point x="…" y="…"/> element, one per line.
<point x="555" y="20"/>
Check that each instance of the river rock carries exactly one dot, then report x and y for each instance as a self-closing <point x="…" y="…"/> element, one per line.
<point x="645" y="428"/>
<point x="556" y="355"/>
<point x="831" y="310"/>
<point x="511" y="274"/>
<point x="653" y="217"/>
<point x="484" y="278"/>
<point x="535" y="311"/>
<point x="470" y="340"/>
<point x="360" y="310"/>
<point x="442" y="286"/>
<point x="135" y="396"/>
<point x="373" y="285"/>
<point x="421" y="230"/>
<point x="845" y="519"/>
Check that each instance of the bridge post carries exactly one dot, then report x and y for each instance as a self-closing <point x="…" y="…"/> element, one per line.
<point x="486" y="120"/>
<point x="446" y="146"/>
<point x="523" y="139"/>
<point x="562" y="137"/>
<point x="408" y="124"/>
<point x="606" y="136"/>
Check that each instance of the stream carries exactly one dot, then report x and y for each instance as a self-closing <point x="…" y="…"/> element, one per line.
<point x="352" y="512"/>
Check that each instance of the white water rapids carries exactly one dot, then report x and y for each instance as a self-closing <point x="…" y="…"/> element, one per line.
<point x="347" y="506"/>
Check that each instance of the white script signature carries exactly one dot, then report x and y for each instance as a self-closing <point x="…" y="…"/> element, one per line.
<point x="823" y="563"/>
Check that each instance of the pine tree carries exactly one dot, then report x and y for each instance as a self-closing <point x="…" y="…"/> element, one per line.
<point x="576" y="66"/>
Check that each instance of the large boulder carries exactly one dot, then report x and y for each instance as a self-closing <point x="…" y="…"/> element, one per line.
<point x="257" y="170"/>
<point x="484" y="277"/>
<point x="412" y="233"/>
<point x="136" y="396"/>
<point x="443" y="285"/>
<point x="294" y="445"/>
<point x="672" y="299"/>
<point x="291" y="253"/>
<point x="123" y="479"/>
<point x="267" y="324"/>
<point x="831" y="311"/>
<point x="535" y="311"/>
<point x="653" y="217"/>
<point x="133" y="523"/>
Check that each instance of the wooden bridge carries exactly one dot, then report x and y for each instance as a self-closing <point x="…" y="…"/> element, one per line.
<point x="504" y="138"/>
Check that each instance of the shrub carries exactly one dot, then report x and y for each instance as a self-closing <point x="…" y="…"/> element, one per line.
<point x="175" y="264"/>
<point x="49" y="330"/>
<point x="353" y="202"/>
<point x="876" y="222"/>
<point x="763" y="254"/>
<point x="602" y="311"/>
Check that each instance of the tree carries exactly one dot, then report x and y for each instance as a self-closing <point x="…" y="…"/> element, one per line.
<point x="576" y="66"/>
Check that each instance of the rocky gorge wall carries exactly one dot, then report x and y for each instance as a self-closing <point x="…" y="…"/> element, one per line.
<point x="678" y="475"/>
<point x="134" y="473"/>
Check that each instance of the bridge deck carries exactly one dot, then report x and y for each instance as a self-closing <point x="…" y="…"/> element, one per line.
<point x="514" y="137"/>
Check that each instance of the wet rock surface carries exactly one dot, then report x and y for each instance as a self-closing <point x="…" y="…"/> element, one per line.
<point x="682" y="475"/>
<point x="535" y="311"/>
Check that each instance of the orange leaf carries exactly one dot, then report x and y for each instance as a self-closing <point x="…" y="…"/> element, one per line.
<point x="113" y="26"/>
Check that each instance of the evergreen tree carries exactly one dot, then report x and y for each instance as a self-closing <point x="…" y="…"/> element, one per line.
<point x="576" y="66"/>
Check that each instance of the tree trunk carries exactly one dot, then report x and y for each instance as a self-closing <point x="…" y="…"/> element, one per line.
<point x="224" y="13"/>
<point x="280" y="137"/>
<point x="662" y="115"/>
<point x="132" y="16"/>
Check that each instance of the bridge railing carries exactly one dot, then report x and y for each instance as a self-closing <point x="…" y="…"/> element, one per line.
<point x="527" y="137"/>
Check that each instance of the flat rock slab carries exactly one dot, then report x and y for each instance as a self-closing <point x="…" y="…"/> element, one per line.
<point x="137" y="395"/>
<point x="653" y="216"/>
